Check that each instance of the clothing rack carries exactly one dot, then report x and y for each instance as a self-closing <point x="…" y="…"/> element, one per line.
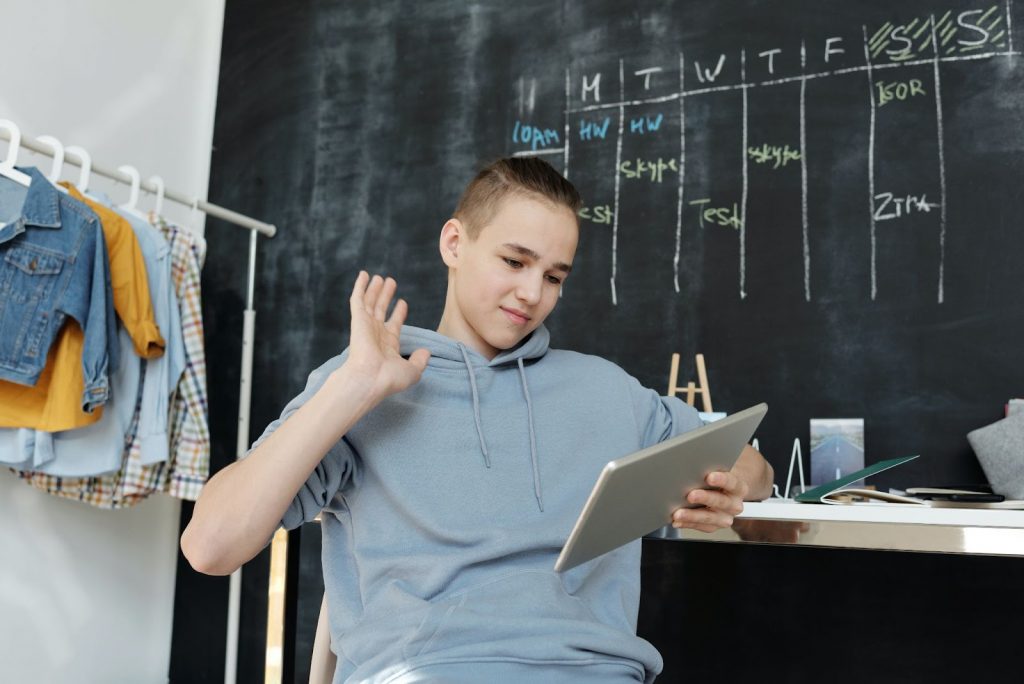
<point x="74" y="158"/>
<point x="10" y="132"/>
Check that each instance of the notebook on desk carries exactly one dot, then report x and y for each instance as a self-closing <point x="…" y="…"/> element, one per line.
<point x="826" y="493"/>
<point x="839" y="492"/>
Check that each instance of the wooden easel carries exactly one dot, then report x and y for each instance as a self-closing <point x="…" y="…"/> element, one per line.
<point x="692" y="389"/>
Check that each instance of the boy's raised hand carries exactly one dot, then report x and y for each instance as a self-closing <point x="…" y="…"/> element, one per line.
<point x="374" y="339"/>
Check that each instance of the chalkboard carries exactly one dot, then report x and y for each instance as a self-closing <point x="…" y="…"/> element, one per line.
<point x="828" y="212"/>
<point x="822" y="198"/>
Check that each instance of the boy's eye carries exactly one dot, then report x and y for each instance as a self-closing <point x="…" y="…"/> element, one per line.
<point x="554" y="280"/>
<point x="513" y="263"/>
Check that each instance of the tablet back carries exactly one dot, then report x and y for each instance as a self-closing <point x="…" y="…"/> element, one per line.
<point x="636" y="494"/>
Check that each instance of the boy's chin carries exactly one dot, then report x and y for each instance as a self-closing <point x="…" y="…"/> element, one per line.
<point x="507" y="341"/>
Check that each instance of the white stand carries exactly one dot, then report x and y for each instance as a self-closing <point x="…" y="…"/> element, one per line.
<point x="796" y="456"/>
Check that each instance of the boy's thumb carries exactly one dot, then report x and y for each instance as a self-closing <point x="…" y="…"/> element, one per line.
<point x="419" y="358"/>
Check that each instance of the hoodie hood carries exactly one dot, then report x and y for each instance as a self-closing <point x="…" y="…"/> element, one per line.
<point x="448" y="353"/>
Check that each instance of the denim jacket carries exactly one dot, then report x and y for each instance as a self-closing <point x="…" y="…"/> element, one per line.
<point x="53" y="264"/>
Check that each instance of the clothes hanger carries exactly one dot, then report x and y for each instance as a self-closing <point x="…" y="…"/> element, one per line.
<point x="58" y="160"/>
<point x="86" y="164"/>
<point x="158" y="206"/>
<point x="7" y="169"/>
<point x="130" y="206"/>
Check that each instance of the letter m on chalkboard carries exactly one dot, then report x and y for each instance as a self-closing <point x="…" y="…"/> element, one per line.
<point x="707" y="75"/>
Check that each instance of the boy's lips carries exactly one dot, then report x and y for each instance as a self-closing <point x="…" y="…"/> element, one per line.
<point x="515" y="315"/>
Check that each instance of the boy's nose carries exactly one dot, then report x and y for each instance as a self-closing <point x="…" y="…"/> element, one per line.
<point x="529" y="290"/>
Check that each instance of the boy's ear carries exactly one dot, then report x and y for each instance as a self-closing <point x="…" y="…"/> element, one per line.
<point x="453" y="234"/>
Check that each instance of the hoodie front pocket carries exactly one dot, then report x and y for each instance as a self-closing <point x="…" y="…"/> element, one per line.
<point x="433" y="623"/>
<point x="523" y="604"/>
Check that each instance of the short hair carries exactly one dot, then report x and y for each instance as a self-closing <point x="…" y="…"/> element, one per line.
<point x="525" y="176"/>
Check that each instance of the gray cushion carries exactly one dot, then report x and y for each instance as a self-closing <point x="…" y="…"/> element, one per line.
<point x="1000" y="450"/>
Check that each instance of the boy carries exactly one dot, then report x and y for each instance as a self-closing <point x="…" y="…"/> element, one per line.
<point x="451" y="465"/>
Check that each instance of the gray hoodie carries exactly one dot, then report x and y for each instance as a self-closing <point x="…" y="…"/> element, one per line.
<point x="446" y="506"/>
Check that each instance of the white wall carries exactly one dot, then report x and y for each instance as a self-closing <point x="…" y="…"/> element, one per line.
<point x="87" y="595"/>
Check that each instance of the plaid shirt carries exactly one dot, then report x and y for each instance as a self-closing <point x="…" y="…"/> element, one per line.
<point x="184" y="474"/>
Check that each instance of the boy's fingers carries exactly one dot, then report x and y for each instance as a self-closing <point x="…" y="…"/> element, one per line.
<point x="708" y="516"/>
<point x="358" y="292"/>
<point x="384" y="300"/>
<point x="696" y="526"/>
<point x="372" y="292"/>
<point x="691" y="517"/>
<point x="725" y="481"/>
<point x="718" y="479"/>
<point x="358" y="289"/>
<point x="718" y="500"/>
<point x="398" y="315"/>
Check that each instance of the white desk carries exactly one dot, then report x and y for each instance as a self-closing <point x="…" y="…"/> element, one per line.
<point x="895" y="527"/>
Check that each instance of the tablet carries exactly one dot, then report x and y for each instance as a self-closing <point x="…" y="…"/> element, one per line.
<point x="637" y="494"/>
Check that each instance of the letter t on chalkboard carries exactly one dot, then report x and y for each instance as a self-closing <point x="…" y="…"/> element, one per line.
<point x="692" y="389"/>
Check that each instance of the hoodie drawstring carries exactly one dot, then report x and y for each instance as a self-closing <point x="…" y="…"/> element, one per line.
<point x="534" y="465"/>
<point x="533" y="439"/>
<point x="476" y="405"/>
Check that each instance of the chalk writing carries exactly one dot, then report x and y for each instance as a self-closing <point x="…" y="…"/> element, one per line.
<point x="534" y="136"/>
<point x="728" y="217"/>
<point x="930" y="39"/>
<point x="592" y="130"/>
<point x="778" y="155"/>
<point x="652" y="169"/>
<point x="972" y="29"/>
<point x="708" y="75"/>
<point x="899" y="90"/>
<point x="601" y="214"/>
<point x="646" y="73"/>
<point x="888" y="206"/>
<point x="645" y="124"/>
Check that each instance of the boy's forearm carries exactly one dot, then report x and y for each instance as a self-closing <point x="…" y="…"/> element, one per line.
<point x="753" y="469"/>
<point x="242" y="505"/>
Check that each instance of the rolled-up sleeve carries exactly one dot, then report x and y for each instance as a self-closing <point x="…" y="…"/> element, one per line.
<point x="335" y="471"/>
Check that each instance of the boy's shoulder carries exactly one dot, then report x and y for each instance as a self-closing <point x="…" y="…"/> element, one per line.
<point x="575" y="361"/>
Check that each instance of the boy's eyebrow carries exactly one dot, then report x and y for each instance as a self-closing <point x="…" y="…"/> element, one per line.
<point x="526" y="251"/>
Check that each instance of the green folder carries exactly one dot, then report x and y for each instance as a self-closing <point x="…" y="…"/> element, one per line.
<point x="818" y="494"/>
